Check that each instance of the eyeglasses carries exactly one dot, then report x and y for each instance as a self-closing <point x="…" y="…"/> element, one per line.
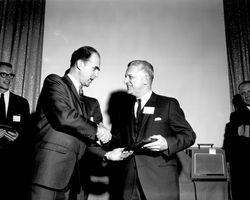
<point x="4" y="75"/>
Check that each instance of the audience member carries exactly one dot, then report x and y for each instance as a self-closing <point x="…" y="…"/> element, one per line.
<point x="237" y="142"/>
<point x="14" y="118"/>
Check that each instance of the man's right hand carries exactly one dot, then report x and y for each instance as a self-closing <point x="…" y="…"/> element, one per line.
<point x="11" y="136"/>
<point x="2" y="132"/>
<point x="103" y="134"/>
<point x="118" y="154"/>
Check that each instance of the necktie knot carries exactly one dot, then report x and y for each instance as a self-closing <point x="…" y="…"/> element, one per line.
<point x="80" y="91"/>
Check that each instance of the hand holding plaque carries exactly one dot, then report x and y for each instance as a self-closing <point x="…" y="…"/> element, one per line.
<point x="139" y="145"/>
<point x="8" y="132"/>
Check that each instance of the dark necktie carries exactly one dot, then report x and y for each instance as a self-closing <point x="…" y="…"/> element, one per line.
<point x="2" y="109"/>
<point x="138" y="117"/>
<point x="81" y="91"/>
<point x="138" y="109"/>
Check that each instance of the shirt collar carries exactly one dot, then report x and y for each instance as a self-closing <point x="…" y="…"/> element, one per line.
<point x="145" y="98"/>
<point x="6" y="94"/>
<point x="75" y="82"/>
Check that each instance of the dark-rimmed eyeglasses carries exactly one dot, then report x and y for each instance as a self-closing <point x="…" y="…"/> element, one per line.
<point x="4" y="75"/>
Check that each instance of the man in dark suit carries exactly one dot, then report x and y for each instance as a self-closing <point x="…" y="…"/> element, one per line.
<point x="64" y="130"/>
<point x="151" y="173"/>
<point x="237" y="142"/>
<point x="14" y="118"/>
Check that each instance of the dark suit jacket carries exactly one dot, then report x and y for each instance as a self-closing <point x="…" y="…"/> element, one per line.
<point x="157" y="171"/>
<point x="237" y="148"/>
<point x="63" y="130"/>
<point x="13" y="155"/>
<point x="18" y="115"/>
<point x="92" y="160"/>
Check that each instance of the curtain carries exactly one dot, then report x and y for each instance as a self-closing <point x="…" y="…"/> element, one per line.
<point x="237" y="29"/>
<point x="21" y="43"/>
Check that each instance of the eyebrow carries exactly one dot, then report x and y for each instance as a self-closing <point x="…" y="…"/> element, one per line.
<point x="7" y="72"/>
<point x="98" y="68"/>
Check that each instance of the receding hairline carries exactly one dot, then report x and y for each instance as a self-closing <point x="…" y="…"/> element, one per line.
<point x="143" y="65"/>
<point x="243" y="83"/>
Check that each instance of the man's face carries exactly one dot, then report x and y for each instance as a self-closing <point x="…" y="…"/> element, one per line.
<point x="89" y="70"/>
<point x="135" y="80"/>
<point x="245" y="93"/>
<point x="5" y="82"/>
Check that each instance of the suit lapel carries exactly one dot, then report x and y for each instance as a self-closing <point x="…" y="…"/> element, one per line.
<point x="150" y="103"/>
<point x="87" y="105"/>
<point x="75" y="95"/>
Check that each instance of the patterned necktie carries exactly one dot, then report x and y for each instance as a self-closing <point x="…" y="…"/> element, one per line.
<point x="2" y="109"/>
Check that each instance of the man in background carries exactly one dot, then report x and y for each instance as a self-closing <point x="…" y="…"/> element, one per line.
<point x="14" y="119"/>
<point x="237" y="142"/>
<point x="151" y="173"/>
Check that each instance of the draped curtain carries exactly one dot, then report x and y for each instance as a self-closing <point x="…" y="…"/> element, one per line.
<point x="237" y="28"/>
<point x="21" y="44"/>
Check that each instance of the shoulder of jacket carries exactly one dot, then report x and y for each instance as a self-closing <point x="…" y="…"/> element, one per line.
<point x="90" y="98"/>
<point x="165" y="98"/>
<point x="53" y="76"/>
<point x="18" y="97"/>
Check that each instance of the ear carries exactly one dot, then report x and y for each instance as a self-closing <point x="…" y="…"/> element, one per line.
<point x="80" y="64"/>
<point x="146" y="79"/>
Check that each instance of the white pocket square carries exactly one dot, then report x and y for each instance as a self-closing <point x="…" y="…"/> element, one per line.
<point x="157" y="119"/>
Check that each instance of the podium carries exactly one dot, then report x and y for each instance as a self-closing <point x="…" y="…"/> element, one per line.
<point x="209" y="174"/>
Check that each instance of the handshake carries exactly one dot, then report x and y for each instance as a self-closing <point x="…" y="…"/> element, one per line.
<point x="103" y="134"/>
<point x="8" y="132"/>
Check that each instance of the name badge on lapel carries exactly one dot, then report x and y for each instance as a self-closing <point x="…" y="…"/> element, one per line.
<point x="16" y="118"/>
<point x="148" y="110"/>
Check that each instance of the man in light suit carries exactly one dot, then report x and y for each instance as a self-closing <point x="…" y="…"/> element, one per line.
<point x="151" y="173"/>
<point x="64" y="130"/>
<point x="14" y="119"/>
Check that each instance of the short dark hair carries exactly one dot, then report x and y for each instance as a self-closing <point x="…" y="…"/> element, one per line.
<point x="83" y="53"/>
<point x="243" y="83"/>
<point x="5" y="64"/>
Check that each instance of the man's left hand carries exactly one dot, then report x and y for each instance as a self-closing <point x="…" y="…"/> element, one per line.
<point x="11" y="136"/>
<point x="159" y="145"/>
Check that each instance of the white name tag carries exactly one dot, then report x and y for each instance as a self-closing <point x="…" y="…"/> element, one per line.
<point x="16" y="118"/>
<point x="148" y="110"/>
